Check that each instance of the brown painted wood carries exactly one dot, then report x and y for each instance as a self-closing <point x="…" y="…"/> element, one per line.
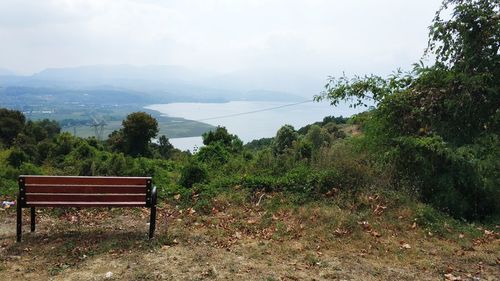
<point x="46" y="188"/>
<point x="86" y="180"/>
<point x="86" y="204"/>
<point x="31" y="198"/>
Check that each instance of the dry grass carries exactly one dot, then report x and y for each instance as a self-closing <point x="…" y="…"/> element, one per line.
<point x="242" y="241"/>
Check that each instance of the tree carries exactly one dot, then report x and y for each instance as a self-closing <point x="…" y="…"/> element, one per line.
<point x="11" y="124"/>
<point x="138" y="130"/>
<point x="317" y="137"/>
<point x="215" y="154"/>
<point x="191" y="174"/>
<point x="221" y="136"/>
<point x="440" y="124"/>
<point x="165" y="147"/>
<point x="468" y="41"/>
<point x="16" y="158"/>
<point x="284" y="139"/>
<point x="42" y="129"/>
<point x="116" y="141"/>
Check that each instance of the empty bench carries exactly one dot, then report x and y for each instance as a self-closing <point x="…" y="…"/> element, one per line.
<point x="63" y="191"/>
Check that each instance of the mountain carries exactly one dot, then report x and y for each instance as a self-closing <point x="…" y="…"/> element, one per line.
<point x="107" y="73"/>
<point x="143" y="84"/>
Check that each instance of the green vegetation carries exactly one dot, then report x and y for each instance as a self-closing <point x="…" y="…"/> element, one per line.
<point x="134" y="138"/>
<point x="412" y="182"/>
<point x="79" y="117"/>
<point x="433" y="136"/>
<point x="438" y="125"/>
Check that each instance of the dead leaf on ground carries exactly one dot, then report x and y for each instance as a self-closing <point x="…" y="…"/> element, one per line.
<point x="451" y="277"/>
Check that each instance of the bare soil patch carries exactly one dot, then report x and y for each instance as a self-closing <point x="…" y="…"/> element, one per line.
<point x="233" y="244"/>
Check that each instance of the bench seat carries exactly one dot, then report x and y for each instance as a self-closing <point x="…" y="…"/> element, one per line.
<point x="83" y="191"/>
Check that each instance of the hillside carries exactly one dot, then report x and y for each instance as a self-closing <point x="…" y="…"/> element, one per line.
<point x="136" y="84"/>
<point x="408" y="189"/>
<point x="228" y="213"/>
<point x="253" y="237"/>
<point x="78" y="97"/>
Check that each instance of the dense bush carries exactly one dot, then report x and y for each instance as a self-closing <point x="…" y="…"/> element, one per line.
<point x="439" y="125"/>
<point x="191" y="174"/>
<point x="434" y="132"/>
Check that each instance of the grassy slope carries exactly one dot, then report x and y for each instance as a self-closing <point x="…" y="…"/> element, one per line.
<point x="172" y="127"/>
<point x="370" y="236"/>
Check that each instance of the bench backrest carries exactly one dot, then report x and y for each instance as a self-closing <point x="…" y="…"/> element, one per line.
<point x="59" y="191"/>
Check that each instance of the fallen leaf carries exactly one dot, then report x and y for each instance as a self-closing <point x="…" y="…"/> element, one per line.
<point x="365" y="225"/>
<point x="379" y="209"/>
<point x="451" y="277"/>
<point x="340" y="232"/>
<point x="406" y="246"/>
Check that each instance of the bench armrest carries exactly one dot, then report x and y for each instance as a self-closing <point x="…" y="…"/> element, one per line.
<point x="153" y="196"/>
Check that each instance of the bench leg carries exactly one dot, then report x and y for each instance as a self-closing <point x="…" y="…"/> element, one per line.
<point x="152" y="222"/>
<point x="33" y="219"/>
<point x="19" y="228"/>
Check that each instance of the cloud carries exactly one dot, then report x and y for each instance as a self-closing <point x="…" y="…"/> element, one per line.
<point x="28" y="13"/>
<point x="312" y="37"/>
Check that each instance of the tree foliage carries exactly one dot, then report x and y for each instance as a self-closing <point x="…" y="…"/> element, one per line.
<point x="11" y="124"/>
<point x="284" y="139"/>
<point x="135" y="136"/>
<point x="468" y="41"/>
<point x="165" y="148"/>
<point x="221" y="137"/>
<point x="440" y="123"/>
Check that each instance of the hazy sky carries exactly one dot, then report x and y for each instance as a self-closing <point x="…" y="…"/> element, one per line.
<point x="314" y="37"/>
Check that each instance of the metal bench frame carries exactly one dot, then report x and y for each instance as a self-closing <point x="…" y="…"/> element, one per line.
<point x="52" y="191"/>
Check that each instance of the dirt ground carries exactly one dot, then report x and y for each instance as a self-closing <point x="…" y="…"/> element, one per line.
<point x="112" y="245"/>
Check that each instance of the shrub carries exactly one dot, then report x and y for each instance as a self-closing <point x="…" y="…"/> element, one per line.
<point x="16" y="158"/>
<point x="191" y="174"/>
<point x="213" y="154"/>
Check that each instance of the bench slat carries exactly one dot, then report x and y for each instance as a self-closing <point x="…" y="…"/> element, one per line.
<point x="86" y="180"/>
<point x="75" y="191"/>
<point x="31" y="198"/>
<point x="86" y="204"/>
<point x="30" y="188"/>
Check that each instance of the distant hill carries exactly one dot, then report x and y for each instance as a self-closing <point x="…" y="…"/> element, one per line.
<point x="137" y="84"/>
<point x="96" y="74"/>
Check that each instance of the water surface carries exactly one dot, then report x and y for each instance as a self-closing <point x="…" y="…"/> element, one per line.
<point x="251" y="126"/>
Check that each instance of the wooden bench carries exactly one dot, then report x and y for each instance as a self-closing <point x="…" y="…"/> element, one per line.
<point x="62" y="191"/>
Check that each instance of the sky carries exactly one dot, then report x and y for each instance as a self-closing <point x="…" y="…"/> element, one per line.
<point x="304" y="38"/>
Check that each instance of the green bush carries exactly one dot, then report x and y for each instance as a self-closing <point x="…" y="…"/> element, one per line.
<point x="213" y="154"/>
<point x="16" y="158"/>
<point x="259" y="182"/>
<point x="191" y="174"/>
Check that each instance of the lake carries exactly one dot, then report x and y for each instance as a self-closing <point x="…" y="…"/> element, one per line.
<point x="249" y="119"/>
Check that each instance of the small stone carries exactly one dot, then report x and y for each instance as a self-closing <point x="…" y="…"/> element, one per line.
<point x="108" y="275"/>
